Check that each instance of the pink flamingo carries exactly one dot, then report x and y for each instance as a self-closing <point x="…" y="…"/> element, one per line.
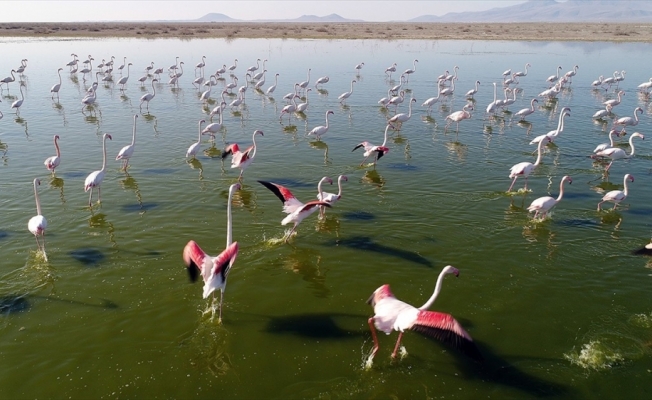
<point x="52" y="162"/>
<point x="38" y="224"/>
<point x="370" y="149"/>
<point x="289" y="109"/>
<point x="617" y="195"/>
<point x="392" y="314"/>
<point x="127" y="151"/>
<point x="94" y="180"/>
<point x="628" y="121"/>
<point x="318" y="131"/>
<point x="242" y="159"/>
<point x="390" y="69"/>
<point x="616" y="153"/>
<point x="296" y="210"/>
<point x="214" y="270"/>
<point x="524" y="169"/>
<point x="458" y="116"/>
<point x="402" y="117"/>
<point x="521" y="114"/>
<point x="544" y="204"/>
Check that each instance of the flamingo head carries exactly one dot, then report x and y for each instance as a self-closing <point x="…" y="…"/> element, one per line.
<point x="330" y="112"/>
<point x="344" y="178"/>
<point x="630" y="177"/>
<point x="154" y="80"/>
<point x="636" y="134"/>
<point x="37" y="181"/>
<point x="449" y="269"/>
<point x="568" y="179"/>
<point x="382" y="292"/>
<point x="234" y="187"/>
<point x="259" y="132"/>
<point x="56" y="137"/>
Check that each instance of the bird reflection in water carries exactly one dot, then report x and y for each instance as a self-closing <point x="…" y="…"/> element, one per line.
<point x="307" y="264"/>
<point x="400" y="140"/>
<point x="540" y="233"/>
<point x="213" y="152"/>
<point x="195" y="164"/>
<point x="97" y="222"/>
<point x="60" y="110"/>
<point x="525" y="125"/>
<point x="328" y="224"/>
<point x="57" y="183"/>
<point x="372" y="177"/>
<point x="244" y="198"/>
<point x="22" y="121"/>
<point x="457" y="149"/>
<point x="4" y="148"/>
<point x="129" y="183"/>
<point x="207" y="347"/>
<point x="320" y="145"/>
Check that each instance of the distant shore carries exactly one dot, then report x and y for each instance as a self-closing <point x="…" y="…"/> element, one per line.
<point x="612" y="32"/>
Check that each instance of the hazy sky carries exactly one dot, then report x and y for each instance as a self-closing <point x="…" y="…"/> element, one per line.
<point x="368" y="10"/>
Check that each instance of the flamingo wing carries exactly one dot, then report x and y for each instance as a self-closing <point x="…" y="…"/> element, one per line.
<point x="381" y="150"/>
<point x="196" y="260"/>
<point x="614" y="195"/>
<point x="230" y="149"/>
<point x="222" y="263"/>
<point x="290" y="203"/>
<point x="447" y="330"/>
<point x="312" y="205"/>
<point x="363" y="145"/>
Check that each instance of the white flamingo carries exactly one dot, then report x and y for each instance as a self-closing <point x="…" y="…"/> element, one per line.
<point x="491" y="108"/>
<point x="321" y="130"/>
<point x="628" y="121"/>
<point x="521" y="114"/>
<point x="543" y="205"/>
<point x="94" y="180"/>
<point x="402" y="117"/>
<point x="552" y="135"/>
<point x="554" y="78"/>
<point x="390" y="69"/>
<point x="128" y="151"/>
<point x="331" y="198"/>
<point x="51" y="163"/>
<point x="604" y="146"/>
<point x="124" y="79"/>
<point x="410" y="71"/>
<point x="458" y="116"/>
<point x="377" y="151"/>
<point x="616" y="196"/>
<point x="524" y="169"/>
<point x="616" y="153"/>
<point x="147" y="97"/>
<point x="18" y="103"/>
<point x="55" y="88"/>
<point x="194" y="148"/>
<point x="521" y="73"/>
<point x="346" y="95"/>
<point x="606" y="112"/>
<point x="615" y="102"/>
<point x="38" y="224"/>
<point x="472" y="92"/>
<point x="272" y="88"/>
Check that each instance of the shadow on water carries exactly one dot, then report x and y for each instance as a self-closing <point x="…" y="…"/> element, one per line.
<point x="88" y="256"/>
<point x="4" y="235"/>
<point x="139" y="207"/>
<point x="366" y="243"/>
<point x="13" y="304"/>
<point x="158" y="171"/>
<point x="293" y="183"/>
<point x="497" y="370"/>
<point x="315" y="325"/>
<point x="358" y="216"/>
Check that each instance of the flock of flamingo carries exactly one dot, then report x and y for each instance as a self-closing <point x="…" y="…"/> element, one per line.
<point x="390" y="314"/>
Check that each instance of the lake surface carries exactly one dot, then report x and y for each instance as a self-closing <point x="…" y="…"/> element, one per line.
<point x="558" y="307"/>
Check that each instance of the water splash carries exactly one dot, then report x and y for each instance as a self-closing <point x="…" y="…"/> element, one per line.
<point x="595" y="356"/>
<point x="641" y="320"/>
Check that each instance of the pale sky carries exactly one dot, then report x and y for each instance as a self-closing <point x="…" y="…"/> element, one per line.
<point x="368" y="10"/>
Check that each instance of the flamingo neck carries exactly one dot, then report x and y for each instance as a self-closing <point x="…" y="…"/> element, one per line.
<point x="56" y="146"/>
<point x="38" y="202"/>
<point x="253" y="153"/>
<point x="154" y="89"/>
<point x="539" y="146"/>
<point x="495" y="93"/>
<point x="386" y="132"/>
<point x="611" y="138"/>
<point x="133" y="135"/>
<point x="326" y="119"/>
<point x="199" y="139"/>
<point x="321" y="194"/>
<point x="625" y="184"/>
<point x="229" y="222"/>
<point x="631" y="144"/>
<point x="339" y="186"/>
<point x="561" y="191"/>
<point x="104" y="154"/>
<point x="432" y="298"/>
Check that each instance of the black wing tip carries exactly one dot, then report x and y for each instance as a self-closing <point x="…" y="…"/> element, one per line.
<point x="643" y="251"/>
<point x="448" y="338"/>
<point x="193" y="272"/>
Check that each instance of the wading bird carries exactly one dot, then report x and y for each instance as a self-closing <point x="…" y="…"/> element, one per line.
<point x="53" y="162"/>
<point x="392" y="314"/>
<point x="38" y="224"/>
<point x="616" y="196"/>
<point x="127" y="151"/>
<point x="616" y="153"/>
<point x="94" y="180"/>
<point x="242" y="159"/>
<point x="543" y="205"/>
<point x="524" y="169"/>
<point x="296" y="210"/>
<point x="319" y="131"/>
<point x="214" y="270"/>
<point x="147" y="97"/>
<point x="370" y="149"/>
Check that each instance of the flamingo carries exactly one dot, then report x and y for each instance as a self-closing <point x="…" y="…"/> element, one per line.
<point x="458" y="116"/>
<point x="615" y="102"/>
<point x="214" y="270"/>
<point x="88" y="69"/>
<point x="552" y="135"/>
<point x="194" y="148"/>
<point x="296" y="210"/>
<point x="234" y="66"/>
<point x="604" y="146"/>
<point x="200" y="65"/>
<point x="215" y="127"/>
<point x="38" y="224"/>
<point x="234" y="83"/>
<point x="616" y="153"/>
<point x="449" y="90"/>
<point x="319" y="131"/>
<point x="55" y="88"/>
<point x="543" y="205"/>
<point x="261" y="82"/>
<point x="124" y="62"/>
<point x="149" y="68"/>
<point x="472" y="92"/>
<point x="272" y="88"/>
<point x="402" y="117"/>
<point x="521" y="73"/>
<point x="94" y="180"/>
<point x="16" y="104"/>
<point x="89" y="99"/>
<point x="221" y="71"/>
<point x="237" y="102"/>
<point x="452" y="76"/>
<point x="358" y="67"/>
<point x="385" y="100"/>
<point x="124" y="79"/>
<point x="289" y="109"/>
<point x="554" y="78"/>
<point x="254" y="68"/>
<point x="147" y="97"/>
<point x="290" y="96"/>
<point x="524" y="169"/>
<point x="321" y="81"/>
<point x="396" y="88"/>
<point x="370" y="149"/>
<point x="304" y="84"/>
<point x="628" y="121"/>
<point x="396" y="100"/>
<point x="392" y="314"/>
<point x="174" y="66"/>
<point x="205" y="95"/>
<point x="303" y="106"/>
<point x="645" y="86"/>
<point x="508" y="102"/>
<point x="610" y="80"/>
<point x="521" y="114"/>
<point x="431" y="102"/>
<point x="598" y="82"/>
<point x="73" y="62"/>
<point x="331" y="198"/>
<point x="507" y="72"/>
<point x="179" y="74"/>
<point x="616" y="195"/>
<point x="603" y="113"/>
<point x="390" y="69"/>
<point x="570" y="74"/>
<point x="509" y="81"/>
<point x="491" y="108"/>
<point x="53" y="162"/>
<point x="620" y="77"/>
<point x="127" y="151"/>
<point x="260" y="74"/>
<point x="410" y="71"/>
<point x="23" y="65"/>
<point x="242" y="159"/>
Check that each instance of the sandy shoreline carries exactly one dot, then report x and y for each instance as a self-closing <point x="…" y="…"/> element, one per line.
<point x="370" y="30"/>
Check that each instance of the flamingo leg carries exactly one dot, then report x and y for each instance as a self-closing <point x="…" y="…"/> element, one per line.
<point x="90" y="198"/>
<point x="375" y="338"/>
<point x="398" y="344"/>
<point x="221" y="302"/>
<point x="608" y="166"/>
<point x="525" y="187"/>
<point x="599" y="205"/>
<point x="512" y="185"/>
<point x="99" y="195"/>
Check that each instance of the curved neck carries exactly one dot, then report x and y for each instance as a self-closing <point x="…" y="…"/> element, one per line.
<point x="625" y="184"/>
<point x="59" y="72"/>
<point x="253" y="139"/>
<point x="327" y="113"/>
<point x="539" y="146"/>
<point x="154" y="88"/>
<point x="561" y="191"/>
<point x="410" y="109"/>
<point x="386" y="132"/>
<point x="351" y="86"/>
<point x="532" y="105"/>
<point x="321" y="195"/>
<point x="631" y="144"/>
<point x="432" y="298"/>
<point x="561" y="120"/>
<point x="495" y="93"/>
<point x="199" y="139"/>
<point x="611" y="137"/>
<point x="38" y="203"/>
<point x="56" y="145"/>
<point x="339" y="186"/>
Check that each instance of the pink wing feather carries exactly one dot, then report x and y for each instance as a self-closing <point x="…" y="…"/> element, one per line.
<point x="446" y="329"/>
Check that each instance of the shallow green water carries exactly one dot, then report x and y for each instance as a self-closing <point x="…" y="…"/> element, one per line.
<point x="558" y="307"/>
